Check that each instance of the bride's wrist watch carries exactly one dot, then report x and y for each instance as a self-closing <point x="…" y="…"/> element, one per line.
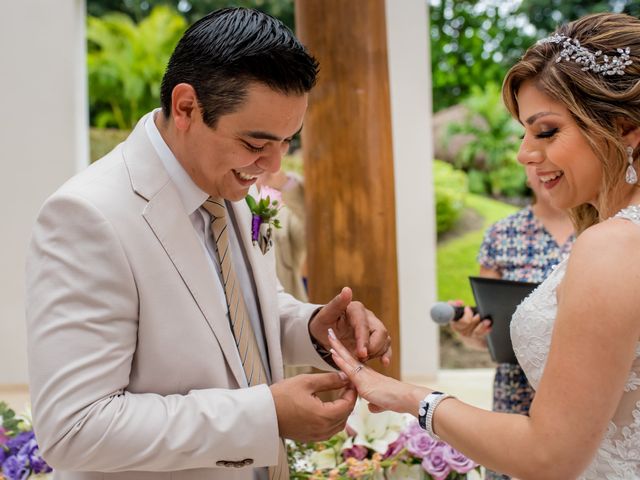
<point x="427" y="408"/>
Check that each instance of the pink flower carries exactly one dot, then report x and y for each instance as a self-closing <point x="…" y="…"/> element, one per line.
<point x="413" y="429"/>
<point x="395" y="447"/>
<point x="435" y="463"/>
<point x="457" y="460"/>
<point x="272" y="193"/>
<point x="357" y="451"/>
<point x="3" y="436"/>
<point x="420" y="444"/>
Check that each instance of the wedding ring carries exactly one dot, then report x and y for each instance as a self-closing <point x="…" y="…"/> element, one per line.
<point x="357" y="369"/>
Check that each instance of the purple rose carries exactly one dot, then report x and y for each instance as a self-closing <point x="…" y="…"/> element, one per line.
<point x="395" y="447"/>
<point x="420" y="444"/>
<point x="32" y="452"/>
<point x="457" y="460"/>
<point x="15" y="444"/>
<point x="15" y="468"/>
<point x="3" y="454"/>
<point x="38" y="465"/>
<point x="357" y="451"/>
<point x="435" y="463"/>
<point x="413" y="429"/>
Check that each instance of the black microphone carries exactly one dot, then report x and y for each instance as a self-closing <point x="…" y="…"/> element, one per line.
<point x="442" y="313"/>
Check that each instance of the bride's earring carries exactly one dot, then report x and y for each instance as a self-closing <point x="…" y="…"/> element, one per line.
<point x="631" y="176"/>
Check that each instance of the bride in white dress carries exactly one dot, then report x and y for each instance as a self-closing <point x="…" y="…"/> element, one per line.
<point x="577" y="95"/>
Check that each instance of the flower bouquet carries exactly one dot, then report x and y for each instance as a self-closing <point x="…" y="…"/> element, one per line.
<point x="19" y="454"/>
<point x="382" y="446"/>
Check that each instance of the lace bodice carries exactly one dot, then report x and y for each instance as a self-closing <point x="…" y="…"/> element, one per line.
<point x="618" y="457"/>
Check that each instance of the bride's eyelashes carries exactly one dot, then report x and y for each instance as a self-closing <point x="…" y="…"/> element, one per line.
<point x="547" y="133"/>
<point x="544" y="134"/>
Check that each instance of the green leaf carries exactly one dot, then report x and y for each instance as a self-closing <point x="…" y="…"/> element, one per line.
<point x="251" y="202"/>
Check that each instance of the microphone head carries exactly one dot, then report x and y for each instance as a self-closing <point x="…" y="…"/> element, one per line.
<point x="442" y="313"/>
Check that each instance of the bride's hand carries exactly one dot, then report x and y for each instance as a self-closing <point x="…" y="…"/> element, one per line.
<point x="382" y="392"/>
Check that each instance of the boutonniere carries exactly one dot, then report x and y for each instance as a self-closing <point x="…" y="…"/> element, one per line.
<point x="263" y="218"/>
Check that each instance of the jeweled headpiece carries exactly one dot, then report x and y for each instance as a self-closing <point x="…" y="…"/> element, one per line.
<point x="594" y="61"/>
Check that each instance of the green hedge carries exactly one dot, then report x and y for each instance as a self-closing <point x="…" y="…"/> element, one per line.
<point x="451" y="187"/>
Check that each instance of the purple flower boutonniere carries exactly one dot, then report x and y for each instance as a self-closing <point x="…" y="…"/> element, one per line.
<point x="263" y="218"/>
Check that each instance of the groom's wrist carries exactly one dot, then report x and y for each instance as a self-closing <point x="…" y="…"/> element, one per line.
<point x="320" y="349"/>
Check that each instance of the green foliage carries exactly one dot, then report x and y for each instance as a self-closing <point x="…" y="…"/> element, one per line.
<point x="456" y="259"/>
<point x="450" y="191"/>
<point x="546" y="15"/>
<point x="473" y="43"/>
<point x="103" y="140"/>
<point x="192" y="10"/>
<point x="490" y="156"/>
<point x="126" y="63"/>
<point x="8" y="420"/>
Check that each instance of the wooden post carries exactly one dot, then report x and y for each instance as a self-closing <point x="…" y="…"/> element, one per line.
<point x="348" y="159"/>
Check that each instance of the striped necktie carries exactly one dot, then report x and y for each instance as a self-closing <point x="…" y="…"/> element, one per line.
<point x="239" y="316"/>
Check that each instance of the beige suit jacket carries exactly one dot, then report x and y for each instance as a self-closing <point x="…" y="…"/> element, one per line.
<point x="134" y="372"/>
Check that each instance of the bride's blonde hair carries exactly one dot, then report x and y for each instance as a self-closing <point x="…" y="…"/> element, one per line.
<point x="597" y="102"/>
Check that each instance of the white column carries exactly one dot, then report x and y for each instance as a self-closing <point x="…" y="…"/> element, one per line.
<point x="44" y="139"/>
<point x="410" y="89"/>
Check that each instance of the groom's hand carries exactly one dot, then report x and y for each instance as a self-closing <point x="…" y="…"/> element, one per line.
<point x="302" y="416"/>
<point x="364" y="335"/>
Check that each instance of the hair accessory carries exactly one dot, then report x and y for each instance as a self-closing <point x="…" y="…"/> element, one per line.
<point x="594" y="61"/>
<point x="631" y="177"/>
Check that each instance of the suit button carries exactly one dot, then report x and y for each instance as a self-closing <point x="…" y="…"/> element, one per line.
<point x="238" y="464"/>
<point x="223" y="463"/>
<point x="247" y="461"/>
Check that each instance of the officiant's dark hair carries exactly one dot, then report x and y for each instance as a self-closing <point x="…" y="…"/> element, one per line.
<point x="225" y="51"/>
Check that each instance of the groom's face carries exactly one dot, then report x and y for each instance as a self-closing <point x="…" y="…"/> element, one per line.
<point x="226" y="160"/>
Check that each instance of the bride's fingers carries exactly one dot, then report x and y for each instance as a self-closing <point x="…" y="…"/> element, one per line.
<point x="343" y="358"/>
<point x="340" y="348"/>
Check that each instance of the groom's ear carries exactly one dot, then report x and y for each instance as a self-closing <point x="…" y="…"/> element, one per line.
<point x="629" y="132"/>
<point x="184" y="106"/>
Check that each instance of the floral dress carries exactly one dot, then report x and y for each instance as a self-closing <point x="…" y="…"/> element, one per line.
<point x="520" y="249"/>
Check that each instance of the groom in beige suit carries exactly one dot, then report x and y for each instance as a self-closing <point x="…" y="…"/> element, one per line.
<point x="139" y="346"/>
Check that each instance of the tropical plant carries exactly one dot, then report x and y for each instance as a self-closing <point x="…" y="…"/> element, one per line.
<point x="192" y="10"/>
<point x="546" y="15"/>
<point x="450" y="191"/>
<point x="473" y="43"/>
<point x="126" y="62"/>
<point x="489" y="157"/>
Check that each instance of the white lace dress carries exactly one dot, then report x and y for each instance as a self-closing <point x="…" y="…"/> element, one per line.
<point x="618" y="457"/>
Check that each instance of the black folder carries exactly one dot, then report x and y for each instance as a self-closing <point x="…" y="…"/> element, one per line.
<point x="498" y="300"/>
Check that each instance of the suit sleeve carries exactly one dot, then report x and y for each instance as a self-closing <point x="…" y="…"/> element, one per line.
<point x="82" y="318"/>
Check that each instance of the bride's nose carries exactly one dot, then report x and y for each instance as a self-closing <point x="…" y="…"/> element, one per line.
<point x="528" y="154"/>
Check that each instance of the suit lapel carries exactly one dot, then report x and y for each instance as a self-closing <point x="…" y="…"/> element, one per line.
<point x="264" y="277"/>
<point x="165" y="215"/>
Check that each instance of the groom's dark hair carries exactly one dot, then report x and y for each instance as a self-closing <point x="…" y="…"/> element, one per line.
<point x="223" y="52"/>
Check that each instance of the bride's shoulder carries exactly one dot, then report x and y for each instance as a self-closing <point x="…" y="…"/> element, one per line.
<point x="616" y="240"/>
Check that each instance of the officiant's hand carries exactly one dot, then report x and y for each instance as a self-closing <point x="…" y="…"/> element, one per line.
<point x="302" y="416"/>
<point x="472" y="329"/>
<point x="359" y="330"/>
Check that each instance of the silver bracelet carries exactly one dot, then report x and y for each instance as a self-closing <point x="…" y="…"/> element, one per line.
<point x="427" y="409"/>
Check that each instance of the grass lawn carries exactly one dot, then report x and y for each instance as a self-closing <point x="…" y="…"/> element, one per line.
<point x="456" y="258"/>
